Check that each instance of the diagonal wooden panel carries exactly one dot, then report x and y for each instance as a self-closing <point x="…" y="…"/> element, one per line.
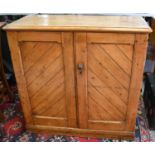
<point x="43" y="78"/>
<point x="27" y="48"/>
<point x="47" y="66"/>
<point x="36" y="53"/>
<point x="47" y="89"/>
<point x="110" y="100"/>
<point x="46" y="102"/>
<point x="102" y="101"/>
<point x="106" y="78"/>
<point x="40" y="66"/>
<point x="120" y="93"/>
<point x="57" y="109"/>
<point x="108" y="64"/>
<point x="114" y="101"/>
<point x="97" y="112"/>
<point x="118" y="57"/>
<point x="127" y="50"/>
<point x="109" y="94"/>
<point x="54" y="81"/>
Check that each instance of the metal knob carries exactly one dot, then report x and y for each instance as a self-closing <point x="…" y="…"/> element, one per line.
<point x="80" y="67"/>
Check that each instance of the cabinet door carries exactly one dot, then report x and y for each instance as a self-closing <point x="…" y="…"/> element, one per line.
<point x="109" y="75"/>
<point x="43" y="64"/>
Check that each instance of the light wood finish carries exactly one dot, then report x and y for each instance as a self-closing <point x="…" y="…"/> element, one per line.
<point x="136" y="78"/>
<point x="81" y="133"/>
<point x="79" y="82"/>
<point x="19" y="74"/>
<point x="81" y="58"/>
<point x="80" y="23"/>
<point x="47" y="77"/>
<point x="46" y="36"/>
<point x="67" y="43"/>
<point x="106" y="73"/>
<point x="110" y="38"/>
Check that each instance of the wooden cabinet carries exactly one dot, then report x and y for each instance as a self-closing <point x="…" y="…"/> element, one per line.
<point x="79" y="75"/>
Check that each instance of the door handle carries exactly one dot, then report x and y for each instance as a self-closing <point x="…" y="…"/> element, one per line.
<point x="80" y="67"/>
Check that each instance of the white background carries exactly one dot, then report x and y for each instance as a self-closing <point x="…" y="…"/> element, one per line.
<point x="77" y="6"/>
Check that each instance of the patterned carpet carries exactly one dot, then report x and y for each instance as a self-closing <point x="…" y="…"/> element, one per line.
<point x="12" y="129"/>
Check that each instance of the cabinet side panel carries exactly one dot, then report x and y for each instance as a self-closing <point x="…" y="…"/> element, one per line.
<point x="136" y="79"/>
<point x="19" y="74"/>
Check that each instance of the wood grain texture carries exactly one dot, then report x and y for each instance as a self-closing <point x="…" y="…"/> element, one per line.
<point x="20" y="77"/>
<point x="109" y="64"/>
<point x="79" y="75"/>
<point x="136" y="79"/>
<point x="80" y="23"/>
<point x="48" y="67"/>
<point x="108" y="81"/>
<point x="107" y="126"/>
<point x="44" y="36"/>
<point x="81" y="132"/>
<point x="45" y="80"/>
<point x="109" y="71"/>
<point x="50" y="121"/>
<point x="110" y="38"/>
<point x="81" y="58"/>
<point x="68" y="54"/>
<point x="103" y="84"/>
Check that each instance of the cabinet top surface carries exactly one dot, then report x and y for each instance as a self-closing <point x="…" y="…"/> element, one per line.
<point x="80" y="23"/>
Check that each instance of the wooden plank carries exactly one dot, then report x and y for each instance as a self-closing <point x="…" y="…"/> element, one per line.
<point x="81" y="58"/>
<point x="103" y="74"/>
<point x="115" y="38"/>
<point x="99" y="84"/>
<point x="50" y="86"/>
<point x="56" y="109"/>
<point x="96" y="112"/>
<point x="109" y="125"/>
<point x="81" y="132"/>
<point x="51" y="98"/>
<point x="52" y="94"/>
<point x="105" y="104"/>
<point x="136" y="79"/>
<point x="117" y="56"/>
<point x="68" y="55"/>
<point x="40" y="66"/>
<point x="19" y="74"/>
<point x="111" y="97"/>
<point x="50" y="121"/>
<point x="45" y="76"/>
<point x="25" y="48"/>
<point x="36" y="54"/>
<point x="39" y="36"/>
<point x="108" y="64"/>
<point x="80" y="23"/>
<point x="127" y="50"/>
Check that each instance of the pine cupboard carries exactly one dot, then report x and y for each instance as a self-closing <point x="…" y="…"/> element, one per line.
<point x="79" y="75"/>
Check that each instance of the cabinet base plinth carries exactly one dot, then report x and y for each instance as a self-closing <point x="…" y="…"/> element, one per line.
<point x="81" y="132"/>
